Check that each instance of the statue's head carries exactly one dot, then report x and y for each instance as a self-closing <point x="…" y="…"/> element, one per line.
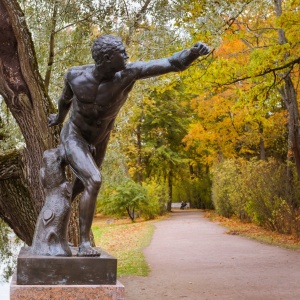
<point x="109" y="50"/>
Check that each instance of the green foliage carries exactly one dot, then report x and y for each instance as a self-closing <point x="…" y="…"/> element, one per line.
<point x="9" y="245"/>
<point x="131" y="198"/>
<point x="10" y="134"/>
<point x="224" y="187"/>
<point x="114" y="168"/>
<point x="157" y="198"/>
<point x="257" y="191"/>
<point x="124" y="197"/>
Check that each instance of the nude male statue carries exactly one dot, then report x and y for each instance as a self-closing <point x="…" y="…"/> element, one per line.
<point x="96" y="93"/>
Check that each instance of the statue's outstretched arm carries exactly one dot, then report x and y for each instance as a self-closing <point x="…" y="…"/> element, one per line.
<point x="64" y="104"/>
<point x="182" y="60"/>
<point x="177" y="62"/>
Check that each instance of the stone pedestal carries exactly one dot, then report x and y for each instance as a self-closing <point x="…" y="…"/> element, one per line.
<point x="66" y="292"/>
<point x="38" y="269"/>
<point x="49" y="277"/>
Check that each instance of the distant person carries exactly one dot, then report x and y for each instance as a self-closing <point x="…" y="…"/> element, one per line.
<point x="183" y="205"/>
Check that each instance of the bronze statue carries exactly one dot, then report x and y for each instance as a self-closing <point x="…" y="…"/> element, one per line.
<point x="96" y="93"/>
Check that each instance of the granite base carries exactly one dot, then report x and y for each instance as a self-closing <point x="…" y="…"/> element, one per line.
<point x="66" y="292"/>
<point x="73" y="270"/>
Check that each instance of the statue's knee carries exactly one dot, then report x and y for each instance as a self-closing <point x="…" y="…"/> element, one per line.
<point x="95" y="183"/>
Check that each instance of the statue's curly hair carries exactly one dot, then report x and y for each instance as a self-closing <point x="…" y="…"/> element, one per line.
<point x="105" y="44"/>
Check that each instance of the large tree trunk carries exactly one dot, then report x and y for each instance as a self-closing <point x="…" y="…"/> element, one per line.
<point x="170" y="191"/>
<point x="21" y="193"/>
<point x="289" y="96"/>
<point x="290" y="99"/>
<point x="139" y="153"/>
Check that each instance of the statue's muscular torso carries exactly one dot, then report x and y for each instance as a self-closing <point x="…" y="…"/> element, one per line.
<point x="96" y="104"/>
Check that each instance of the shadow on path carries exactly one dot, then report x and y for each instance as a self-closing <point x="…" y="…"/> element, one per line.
<point x="191" y="258"/>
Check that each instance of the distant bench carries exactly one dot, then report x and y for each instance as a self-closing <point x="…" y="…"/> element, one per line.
<point x="178" y="205"/>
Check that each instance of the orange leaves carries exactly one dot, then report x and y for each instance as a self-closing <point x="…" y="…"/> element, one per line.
<point x="230" y="47"/>
<point x="238" y="108"/>
<point x="290" y="153"/>
<point x="233" y="122"/>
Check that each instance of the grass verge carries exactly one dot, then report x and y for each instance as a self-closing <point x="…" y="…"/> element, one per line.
<point x="236" y="227"/>
<point x="125" y="240"/>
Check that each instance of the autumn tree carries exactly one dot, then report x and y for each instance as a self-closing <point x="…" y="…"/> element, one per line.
<point x="249" y="92"/>
<point x="163" y="129"/>
<point x="62" y="33"/>
<point x="151" y="121"/>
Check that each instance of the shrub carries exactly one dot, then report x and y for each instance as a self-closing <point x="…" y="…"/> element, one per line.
<point x="157" y="198"/>
<point x="224" y="187"/>
<point x="258" y="191"/>
<point x="129" y="197"/>
<point x="9" y="250"/>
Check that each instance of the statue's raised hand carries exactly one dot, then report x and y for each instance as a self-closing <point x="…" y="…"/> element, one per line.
<point x="52" y="120"/>
<point x="200" y="49"/>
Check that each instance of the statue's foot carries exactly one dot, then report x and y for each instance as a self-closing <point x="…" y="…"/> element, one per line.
<point x="87" y="250"/>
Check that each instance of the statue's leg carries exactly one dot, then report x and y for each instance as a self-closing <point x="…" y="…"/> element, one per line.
<point x="98" y="156"/>
<point x="83" y="165"/>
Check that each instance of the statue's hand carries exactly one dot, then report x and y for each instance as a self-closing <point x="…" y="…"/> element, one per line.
<point x="52" y="120"/>
<point x="200" y="49"/>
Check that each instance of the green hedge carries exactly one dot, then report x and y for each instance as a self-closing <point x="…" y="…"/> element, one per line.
<point x="257" y="191"/>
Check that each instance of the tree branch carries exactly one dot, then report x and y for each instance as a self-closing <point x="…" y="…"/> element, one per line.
<point x="72" y="24"/>
<point x="137" y="22"/>
<point x="267" y="71"/>
<point x="51" y="46"/>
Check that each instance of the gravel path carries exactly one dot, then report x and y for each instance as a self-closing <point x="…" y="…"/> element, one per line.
<point x="191" y="258"/>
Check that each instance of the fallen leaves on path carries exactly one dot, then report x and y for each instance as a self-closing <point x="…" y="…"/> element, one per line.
<point x="237" y="227"/>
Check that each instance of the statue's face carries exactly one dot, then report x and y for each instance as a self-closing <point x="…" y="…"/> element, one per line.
<point x="117" y="60"/>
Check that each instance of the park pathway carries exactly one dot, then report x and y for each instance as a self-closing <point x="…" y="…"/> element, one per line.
<point x="192" y="258"/>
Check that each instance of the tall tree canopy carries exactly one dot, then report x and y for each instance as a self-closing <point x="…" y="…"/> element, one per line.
<point x="62" y="32"/>
<point x="39" y="41"/>
<point x="250" y="93"/>
<point x="240" y="101"/>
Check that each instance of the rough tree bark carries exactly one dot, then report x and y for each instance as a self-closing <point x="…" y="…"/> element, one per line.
<point x="21" y="86"/>
<point x="288" y="93"/>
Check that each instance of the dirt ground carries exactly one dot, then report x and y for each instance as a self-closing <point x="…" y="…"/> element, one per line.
<point x="192" y="258"/>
